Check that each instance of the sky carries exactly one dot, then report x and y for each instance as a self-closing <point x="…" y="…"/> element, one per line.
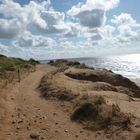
<point x="49" y="29"/>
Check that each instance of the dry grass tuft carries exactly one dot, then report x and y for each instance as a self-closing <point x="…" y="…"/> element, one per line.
<point x="95" y="114"/>
<point x="49" y="90"/>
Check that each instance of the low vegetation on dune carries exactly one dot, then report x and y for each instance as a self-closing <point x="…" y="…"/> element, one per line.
<point x="62" y="63"/>
<point x="95" y="114"/>
<point x="10" y="67"/>
<point x="12" y="64"/>
<point x="50" y="91"/>
<point x="33" y="61"/>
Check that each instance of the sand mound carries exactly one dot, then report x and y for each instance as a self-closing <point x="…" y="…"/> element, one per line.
<point x="94" y="113"/>
<point x="102" y="75"/>
<point x="48" y="90"/>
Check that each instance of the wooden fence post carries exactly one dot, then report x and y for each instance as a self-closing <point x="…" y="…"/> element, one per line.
<point x="19" y="75"/>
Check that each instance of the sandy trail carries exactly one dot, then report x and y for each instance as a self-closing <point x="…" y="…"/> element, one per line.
<point x="25" y="112"/>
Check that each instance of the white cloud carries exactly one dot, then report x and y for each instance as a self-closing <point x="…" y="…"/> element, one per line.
<point x="126" y="31"/>
<point x="128" y="28"/>
<point x="15" y="18"/>
<point x="74" y="30"/>
<point x="10" y="28"/>
<point x="55" y="22"/>
<point x="92" y="13"/>
<point x="92" y="17"/>
<point x="124" y="19"/>
<point x="39" y="18"/>
<point x="127" y="34"/>
<point x="29" y="40"/>
<point x="93" y="4"/>
<point x="107" y="31"/>
<point x="30" y="13"/>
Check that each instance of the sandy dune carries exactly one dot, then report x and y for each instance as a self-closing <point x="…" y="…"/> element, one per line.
<point x="24" y="112"/>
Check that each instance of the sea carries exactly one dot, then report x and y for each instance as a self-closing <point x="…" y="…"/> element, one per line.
<point x="126" y="65"/>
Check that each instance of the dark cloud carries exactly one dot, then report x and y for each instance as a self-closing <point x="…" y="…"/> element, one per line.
<point x="92" y="19"/>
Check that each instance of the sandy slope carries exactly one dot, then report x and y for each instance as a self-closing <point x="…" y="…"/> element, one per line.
<point x="23" y="111"/>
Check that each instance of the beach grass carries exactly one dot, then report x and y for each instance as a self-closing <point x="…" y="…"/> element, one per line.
<point x="11" y="68"/>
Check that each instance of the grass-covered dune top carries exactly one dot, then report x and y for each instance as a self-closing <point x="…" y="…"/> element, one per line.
<point x="62" y="63"/>
<point x="9" y="65"/>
